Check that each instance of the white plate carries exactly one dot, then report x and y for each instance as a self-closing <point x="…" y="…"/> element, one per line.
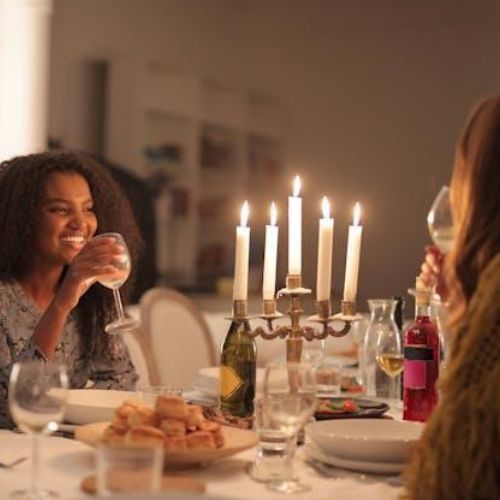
<point x="370" y="440"/>
<point x="312" y="451"/>
<point x="86" y="406"/>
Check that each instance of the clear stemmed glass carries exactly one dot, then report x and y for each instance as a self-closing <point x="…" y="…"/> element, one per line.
<point x="37" y="399"/>
<point x="115" y="281"/>
<point x="290" y="401"/>
<point x="389" y="355"/>
<point x="440" y="221"/>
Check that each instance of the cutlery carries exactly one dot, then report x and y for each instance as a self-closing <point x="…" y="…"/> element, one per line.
<point x="4" y="465"/>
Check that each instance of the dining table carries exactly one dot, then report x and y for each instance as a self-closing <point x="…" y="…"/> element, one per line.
<point x="64" y="462"/>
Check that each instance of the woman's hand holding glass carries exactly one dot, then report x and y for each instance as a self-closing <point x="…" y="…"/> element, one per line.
<point x="290" y="401"/>
<point x="97" y="257"/>
<point x="37" y="399"/>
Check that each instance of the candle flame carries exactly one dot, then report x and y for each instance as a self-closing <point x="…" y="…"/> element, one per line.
<point x="245" y="209"/>
<point x="274" y="214"/>
<point x="296" y="186"/>
<point x="325" y="207"/>
<point x="356" y="214"/>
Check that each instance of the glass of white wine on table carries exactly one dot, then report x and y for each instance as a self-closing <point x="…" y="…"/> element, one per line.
<point x="114" y="281"/>
<point x="389" y="356"/>
<point x="37" y="399"/>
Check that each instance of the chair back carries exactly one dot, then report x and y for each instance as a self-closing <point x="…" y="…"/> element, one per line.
<point x="141" y="357"/>
<point x="178" y="336"/>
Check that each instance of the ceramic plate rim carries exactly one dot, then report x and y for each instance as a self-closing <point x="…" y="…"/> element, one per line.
<point x="313" y="451"/>
<point x="366" y="439"/>
<point x="90" y="434"/>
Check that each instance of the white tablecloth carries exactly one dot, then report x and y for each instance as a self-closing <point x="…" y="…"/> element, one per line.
<point x="64" y="462"/>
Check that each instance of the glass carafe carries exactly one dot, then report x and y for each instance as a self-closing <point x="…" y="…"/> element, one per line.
<point x="381" y="320"/>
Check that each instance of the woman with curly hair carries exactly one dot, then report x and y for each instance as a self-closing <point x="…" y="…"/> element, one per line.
<point x="51" y="205"/>
<point x="458" y="456"/>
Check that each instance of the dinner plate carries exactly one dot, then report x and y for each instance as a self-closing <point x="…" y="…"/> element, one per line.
<point x="312" y="451"/>
<point x="367" y="408"/>
<point x="371" y="440"/>
<point x="86" y="406"/>
<point x="236" y="440"/>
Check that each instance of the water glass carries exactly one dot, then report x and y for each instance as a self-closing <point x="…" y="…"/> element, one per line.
<point x="149" y="393"/>
<point x="270" y="460"/>
<point x="124" y="470"/>
<point x="328" y="378"/>
<point x="290" y="401"/>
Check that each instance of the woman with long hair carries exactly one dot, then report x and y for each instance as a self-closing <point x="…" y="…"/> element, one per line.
<point x="458" y="455"/>
<point x="51" y="205"/>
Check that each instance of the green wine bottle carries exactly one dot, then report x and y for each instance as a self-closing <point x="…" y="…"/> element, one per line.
<point x="238" y="370"/>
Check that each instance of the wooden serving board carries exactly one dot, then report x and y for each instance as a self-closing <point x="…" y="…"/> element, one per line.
<point x="169" y="483"/>
<point x="236" y="440"/>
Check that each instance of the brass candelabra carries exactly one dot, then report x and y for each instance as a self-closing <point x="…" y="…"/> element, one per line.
<point x="294" y="333"/>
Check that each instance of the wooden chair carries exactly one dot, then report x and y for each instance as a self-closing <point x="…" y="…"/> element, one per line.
<point x="178" y="336"/>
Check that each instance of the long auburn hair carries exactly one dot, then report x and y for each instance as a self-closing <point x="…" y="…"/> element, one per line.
<point x="21" y="188"/>
<point x="475" y="201"/>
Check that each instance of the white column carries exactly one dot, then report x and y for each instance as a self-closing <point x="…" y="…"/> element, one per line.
<point x="24" y="72"/>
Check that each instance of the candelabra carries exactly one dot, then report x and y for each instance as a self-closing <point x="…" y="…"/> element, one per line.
<point x="294" y="332"/>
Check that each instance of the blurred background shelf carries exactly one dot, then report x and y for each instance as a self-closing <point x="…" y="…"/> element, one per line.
<point x="204" y="146"/>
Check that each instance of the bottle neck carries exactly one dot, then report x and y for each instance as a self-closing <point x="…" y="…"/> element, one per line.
<point x="422" y="310"/>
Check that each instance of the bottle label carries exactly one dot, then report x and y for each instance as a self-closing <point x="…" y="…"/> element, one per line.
<point x="416" y="364"/>
<point x="230" y="381"/>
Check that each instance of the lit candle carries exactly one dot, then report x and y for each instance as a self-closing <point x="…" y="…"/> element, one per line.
<point x="240" y="285"/>
<point x="295" y="229"/>
<point x="325" y="251"/>
<point x="270" y="256"/>
<point x="352" y="259"/>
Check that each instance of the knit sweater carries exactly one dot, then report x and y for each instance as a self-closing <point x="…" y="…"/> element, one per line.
<point x="458" y="456"/>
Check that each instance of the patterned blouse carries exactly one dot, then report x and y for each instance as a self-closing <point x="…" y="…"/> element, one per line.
<point x="110" y="369"/>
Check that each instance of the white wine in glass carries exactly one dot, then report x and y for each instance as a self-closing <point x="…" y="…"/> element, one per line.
<point x="440" y="221"/>
<point x="114" y="281"/>
<point x="389" y="356"/>
<point x="38" y="393"/>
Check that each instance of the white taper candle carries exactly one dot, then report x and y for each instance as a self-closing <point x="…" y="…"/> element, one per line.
<point x="295" y="230"/>
<point x="325" y="252"/>
<point x="270" y="256"/>
<point x="242" y="250"/>
<point x="352" y="259"/>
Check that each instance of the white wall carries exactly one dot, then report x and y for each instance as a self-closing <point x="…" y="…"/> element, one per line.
<point x="377" y="93"/>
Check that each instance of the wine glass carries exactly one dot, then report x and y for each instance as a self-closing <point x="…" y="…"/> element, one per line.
<point x="389" y="356"/>
<point x="290" y="401"/>
<point x="440" y="221"/>
<point x="114" y="282"/>
<point x="37" y="399"/>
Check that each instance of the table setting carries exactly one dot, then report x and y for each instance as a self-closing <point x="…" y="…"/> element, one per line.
<point x="297" y="424"/>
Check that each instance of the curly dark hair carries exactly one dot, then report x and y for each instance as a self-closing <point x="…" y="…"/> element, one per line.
<point x="21" y="188"/>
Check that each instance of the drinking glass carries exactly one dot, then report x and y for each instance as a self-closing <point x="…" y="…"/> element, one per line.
<point x="37" y="399"/>
<point x="290" y="401"/>
<point x="389" y="356"/>
<point x="125" y="471"/>
<point x="269" y="463"/>
<point x="114" y="282"/>
<point x="440" y="221"/>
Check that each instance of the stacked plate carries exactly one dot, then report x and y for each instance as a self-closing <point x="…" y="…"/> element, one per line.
<point x="368" y="445"/>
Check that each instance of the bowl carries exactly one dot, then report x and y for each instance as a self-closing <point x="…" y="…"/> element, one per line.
<point x="86" y="406"/>
<point x="369" y="440"/>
